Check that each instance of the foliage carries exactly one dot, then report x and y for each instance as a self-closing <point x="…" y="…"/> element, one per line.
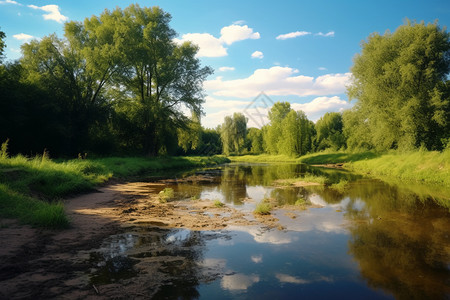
<point x="263" y="208"/>
<point x="233" y="132"/>
<point x="340" y="186"/>
<point x="218" y="203"/>
<point x="400" y="81"/>
<point x="430" y="167"/>
<point x="329" y="130"/>
<point x="2" y="44"/>
<point x="165" y="195"/>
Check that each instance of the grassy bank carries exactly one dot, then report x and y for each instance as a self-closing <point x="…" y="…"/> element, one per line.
<point x="31" y="189"/>
<point x="428" y="167"/>
<point x="263" y="158"/>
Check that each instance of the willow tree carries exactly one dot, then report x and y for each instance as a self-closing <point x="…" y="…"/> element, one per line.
<point x="158" y="77"/>
<point x="273" y="132"/>
<point x="401" y="83"/>
<point x="233" y="132"/>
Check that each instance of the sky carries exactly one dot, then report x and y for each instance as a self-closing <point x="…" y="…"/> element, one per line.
<point x="262" y="52"/>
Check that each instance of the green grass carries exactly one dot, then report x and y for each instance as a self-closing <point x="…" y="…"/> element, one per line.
<point x="300" y="202"/>
<point x="340" y="186"/>
<point x="430" y="167"/>
<point x="262" y="158"/>
<point x="165" y="195"/>
<point x="308" y="178"/>
<point x="263" y="208"/>
<point x="335" y="157"/>
<point x="218" y="203"/>
<point x="31" y="189"/>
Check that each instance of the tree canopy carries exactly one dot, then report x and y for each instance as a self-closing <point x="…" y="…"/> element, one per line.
<point x="401" y="83"/>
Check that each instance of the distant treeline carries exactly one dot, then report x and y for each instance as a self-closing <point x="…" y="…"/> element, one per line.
<point x="118" y="84"/>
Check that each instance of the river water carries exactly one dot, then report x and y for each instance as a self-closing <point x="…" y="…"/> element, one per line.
<point x="369" y="240"/>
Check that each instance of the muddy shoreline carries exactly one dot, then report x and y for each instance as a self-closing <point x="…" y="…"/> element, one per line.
<point x="50" y="264"/>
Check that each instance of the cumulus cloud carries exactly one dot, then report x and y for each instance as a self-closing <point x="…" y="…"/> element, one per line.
<point x="257" y="54"/>
<point x="52" y="12"/>
<point x="225" y="69"/>
<point x="238" y="282"/>
<point x="234" y="33"/>
<point x="292" y="35"/>
<point x="10" y="2"/>
<point x="328" y="34"/>
<point x="280" y="81"/>
<point x="209" y="46"/>
<point x="285" y="278"/>
<point x="23" y="37"/>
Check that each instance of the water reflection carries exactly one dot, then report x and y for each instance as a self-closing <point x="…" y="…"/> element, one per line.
<point x="372" y="240"/>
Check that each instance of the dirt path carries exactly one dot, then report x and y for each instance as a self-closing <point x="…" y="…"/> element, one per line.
<point x="46" y="264"/>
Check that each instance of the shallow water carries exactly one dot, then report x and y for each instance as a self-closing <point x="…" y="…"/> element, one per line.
<point x="370" y="241"/>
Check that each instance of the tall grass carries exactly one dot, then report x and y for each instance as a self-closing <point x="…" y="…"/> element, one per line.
<point x="421" y="166"/>
<point x="31" y="188"/>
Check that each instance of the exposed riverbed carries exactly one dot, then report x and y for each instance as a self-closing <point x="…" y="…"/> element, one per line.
<point x="368" y="240"/>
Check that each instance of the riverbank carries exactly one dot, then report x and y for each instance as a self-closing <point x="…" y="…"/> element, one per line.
<point x="31" y="189"/>
<point x="427" y="167"/>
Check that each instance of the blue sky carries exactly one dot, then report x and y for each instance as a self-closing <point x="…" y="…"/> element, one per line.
<point x="296" y="51"/>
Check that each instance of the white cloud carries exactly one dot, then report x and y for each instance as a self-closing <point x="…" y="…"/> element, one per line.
<point x="278" y="81"/>
<point x="10" y="2"/>
<point x="209" y="45"/>
<point x="238" y="281"/>
<point x="239" y="22"/>
<point x="23" y="37"/>
<point x="234" y="33"/>
<point x="285" y="278"/>
<point x="211" y="102"/>
<point x="322" y="68"/>
<point x="291" y="35"/>
<point x="328" y="34"/>
<point x="257" y="258"/>
<point x="257" y="54"/>
<point x="52" y="12"/>
<point x="320" y="105"/>
<point x="225" y="69"/>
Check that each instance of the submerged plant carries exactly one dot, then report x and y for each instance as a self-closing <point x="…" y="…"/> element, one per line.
<point x="165" y="195"/>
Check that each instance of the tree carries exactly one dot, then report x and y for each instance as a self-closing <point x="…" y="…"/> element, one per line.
<point x="255" y="138"/>
<point x="233" y="133"/>
<point x="160" y="77"/>
<point x="296" y="134"/>
<point x="273" y="134"/>
<point x="329" y="132"/>
<point x="400" y="82"/>
<point x="2" y="44"/>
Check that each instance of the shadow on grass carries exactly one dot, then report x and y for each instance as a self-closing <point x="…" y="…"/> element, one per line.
<point x="336" y="158"/>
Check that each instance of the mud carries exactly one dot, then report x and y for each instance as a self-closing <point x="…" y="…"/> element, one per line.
<point x="67" y="264"/>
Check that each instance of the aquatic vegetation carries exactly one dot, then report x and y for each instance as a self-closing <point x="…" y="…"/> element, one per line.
<point x="165" y="195"/>
<point x="263" y="208"/>
<point x="300" y="201"/>
<point x="340" y="186"/>
<point x="218" y="203"/>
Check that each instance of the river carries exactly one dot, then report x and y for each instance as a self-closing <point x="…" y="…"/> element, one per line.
<point x="369" y="240"/>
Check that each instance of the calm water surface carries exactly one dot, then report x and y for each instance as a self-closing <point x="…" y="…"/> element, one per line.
<point x="370" y="241"/>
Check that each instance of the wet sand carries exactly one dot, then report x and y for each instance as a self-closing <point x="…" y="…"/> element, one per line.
<point x="46" y="264"/>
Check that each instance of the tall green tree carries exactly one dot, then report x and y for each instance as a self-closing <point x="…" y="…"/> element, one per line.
<point x="401" y="83"/>
<point x="329" y="130"/>
<point x="277" y="113"/>
<point x="2" y="44"/>
<point x="160" y="77"/>
<point x="53" y="65"/>
<point x="233" y="132"/>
